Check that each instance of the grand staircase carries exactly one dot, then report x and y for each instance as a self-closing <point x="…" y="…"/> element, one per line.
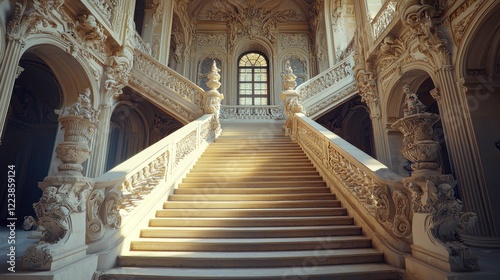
<point x="253" y="207"/>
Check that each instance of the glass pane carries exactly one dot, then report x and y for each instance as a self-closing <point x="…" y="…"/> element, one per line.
<point x="261" y="61"/>
<point x="260" y="101"/>
<point x="245" y="77"/>
<point x="245" y="101"/>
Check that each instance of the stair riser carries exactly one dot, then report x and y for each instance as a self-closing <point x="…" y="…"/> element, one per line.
<point x="246" y="247"/>
<point x="283" y="222"/>
<point x="250" y="197"/>
<point x="250" y="213"/>
<point x="202" y="191"/>
<point x="217" y="179"/>
<point x="253" y="185"/>
<point x="247" y="262"/>
<point x="202" y="204"/>
<point x="200" y="173"/>
<point x="249" y="168"/>
<point x="229" y="233"/>
<point x="295" y="273"/>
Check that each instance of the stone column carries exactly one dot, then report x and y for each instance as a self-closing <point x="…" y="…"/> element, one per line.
<point x="114" y="79"/>
<point x="212" y="97"/>
<point x="61" y="209"/>
<point x="464" y="155"/>
<point x="165" y="34"/>
<point x="9" y="70"/>
<point x="290" y="97"/>
<point x="97" y="163"/>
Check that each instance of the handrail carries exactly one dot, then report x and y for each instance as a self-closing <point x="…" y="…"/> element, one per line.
<point x="376" y="192"/>
<point x="128" y="191"/>
<point x="254" y="112"/>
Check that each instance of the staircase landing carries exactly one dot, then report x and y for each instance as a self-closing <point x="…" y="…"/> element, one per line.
<point x="253" y="207"/>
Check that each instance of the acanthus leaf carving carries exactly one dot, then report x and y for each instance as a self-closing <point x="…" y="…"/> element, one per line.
<point x="447" y="221"/>
<point x="417" y="17"/>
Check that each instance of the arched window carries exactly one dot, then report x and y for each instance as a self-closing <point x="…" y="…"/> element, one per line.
<point x="253" y="79"/>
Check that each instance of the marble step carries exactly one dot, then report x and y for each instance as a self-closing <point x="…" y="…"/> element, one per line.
<point x="250" y="232"/>
<point x="249" y="204"/>
<point x="263" y="212"/>
<point x="251" y="197"/>
<point x="250" y="222"/>
<point x="377" y="271"/>
<point x="248" y="259"/>
<point x="268" y="190"/>
<point x="250" y="244"/>
<point x="263" y="184"/>
<point x="236" y="179"/>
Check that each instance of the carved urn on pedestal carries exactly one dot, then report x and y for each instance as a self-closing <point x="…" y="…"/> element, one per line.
<point x="416" y="126"/>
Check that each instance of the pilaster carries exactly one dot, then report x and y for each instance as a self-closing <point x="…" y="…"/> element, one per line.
<point x="97" y="162"/>
<point x="8" y="75"/>
<point x="464" y="153"/>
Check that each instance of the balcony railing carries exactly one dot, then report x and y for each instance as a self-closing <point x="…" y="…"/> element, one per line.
<point x="241" y="112"/>
<point x="329" y="88"/>
<point x="383" y="18"/>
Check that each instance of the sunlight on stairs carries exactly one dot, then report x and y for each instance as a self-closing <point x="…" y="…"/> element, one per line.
<point x="253" y="207"/>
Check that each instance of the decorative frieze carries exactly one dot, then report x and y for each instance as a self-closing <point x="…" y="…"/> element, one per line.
<point x="293" y="41"/>
<point x="210" y="40"/>
<point x="465" y="14"/>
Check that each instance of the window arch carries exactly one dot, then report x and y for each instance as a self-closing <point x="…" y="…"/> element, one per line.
<point x="253" y="79"/>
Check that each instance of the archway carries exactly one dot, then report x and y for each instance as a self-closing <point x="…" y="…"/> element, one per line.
<point x="352" y="122"/>
<point x="30" y="133"/>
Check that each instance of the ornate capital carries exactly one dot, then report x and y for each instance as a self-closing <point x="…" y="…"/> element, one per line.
<point x="89" y="29"/>
<point x="417" y="16"/>
<point x="367" y="85"/>
<point x="116" y="74"/>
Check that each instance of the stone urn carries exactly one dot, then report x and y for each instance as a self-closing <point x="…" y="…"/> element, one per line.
<point x="419" y="148"/>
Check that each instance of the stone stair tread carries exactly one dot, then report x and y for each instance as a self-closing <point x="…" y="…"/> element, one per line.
<point x="251" y="197"/>
<point x="270" y="190"/>
<point x="253" y="255"/>
<point x="257" y="240"/>
<point x="252" y="204"/>
<point x="375" y="271"/>
<point x="251" y="232"/>
<point x="261" y="184"/>
<point x="256" y="212"/>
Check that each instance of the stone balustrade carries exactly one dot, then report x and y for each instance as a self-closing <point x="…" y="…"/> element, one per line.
<point x="255" y="112"/>
<point x="383" y="18"/>
<point x="123" y="195"/>
<point x="330" y="87"/>
<point x="377" y="192"/>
